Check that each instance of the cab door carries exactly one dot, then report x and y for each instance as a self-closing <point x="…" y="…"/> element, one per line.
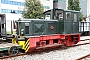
<point x="75" y="23"/>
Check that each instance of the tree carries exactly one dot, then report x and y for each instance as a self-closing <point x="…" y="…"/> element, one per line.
<point x="74" y="5"/>
<point x="33" y="9"/>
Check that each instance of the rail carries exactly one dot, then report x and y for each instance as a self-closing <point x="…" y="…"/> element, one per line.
<point x="45" y="50"/>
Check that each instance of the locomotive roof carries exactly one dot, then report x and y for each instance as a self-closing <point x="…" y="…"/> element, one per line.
<point x="62" y="10"/>
<point x="25" y="20"/>
<point x="52" y="9"/>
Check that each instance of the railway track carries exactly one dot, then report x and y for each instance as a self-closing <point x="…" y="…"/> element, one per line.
<point x="87" y="57"/>
<point x="45" y="50"/>
<point x="82" y="43"/>
<point x="10" y="56"/>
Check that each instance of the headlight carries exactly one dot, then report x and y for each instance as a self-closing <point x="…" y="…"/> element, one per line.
<point x="22" y="31"/>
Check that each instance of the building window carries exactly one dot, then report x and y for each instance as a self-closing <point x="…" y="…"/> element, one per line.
<point x="75" y="17"/>
<point x="10" y="11"/>
<point x="47" y="7"/>
<point x="62" y="2"/>
<point x="13" y="2"/>
<point x="3" y="11"/>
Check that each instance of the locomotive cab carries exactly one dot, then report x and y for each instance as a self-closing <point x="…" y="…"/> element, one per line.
<point x="67" y="20"/>
<point x="55" y="14"/>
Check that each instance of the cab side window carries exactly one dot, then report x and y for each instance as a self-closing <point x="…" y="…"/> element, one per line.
<point x="75" y="17"/>
<point x="59" y="15"/>
<point x="68" y="15"/>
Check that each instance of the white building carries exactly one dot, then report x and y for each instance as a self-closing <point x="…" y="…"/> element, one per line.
<point x="12" y="9"/>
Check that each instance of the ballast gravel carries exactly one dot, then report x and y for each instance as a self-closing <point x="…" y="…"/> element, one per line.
<point x="70" y="53"/>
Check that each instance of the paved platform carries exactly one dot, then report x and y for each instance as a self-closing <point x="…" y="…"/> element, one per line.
<point x="84" y="37"/>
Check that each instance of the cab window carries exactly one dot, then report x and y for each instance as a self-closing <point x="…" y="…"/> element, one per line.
<point x="68" y="15"/>
<point x="58" y="15"/>
<point x="75" y="17"/>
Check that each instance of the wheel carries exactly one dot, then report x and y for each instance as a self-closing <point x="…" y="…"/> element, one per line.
<point x="13" y="50"/>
